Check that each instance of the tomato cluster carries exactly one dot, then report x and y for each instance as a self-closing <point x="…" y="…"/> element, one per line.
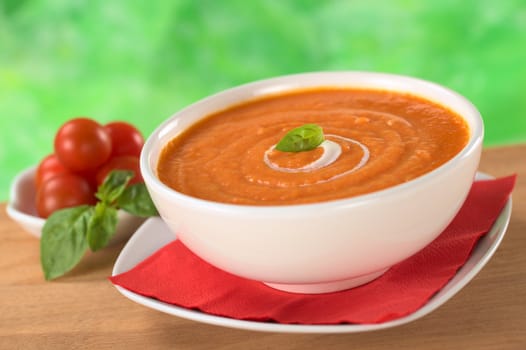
<point x="84" y="153"/>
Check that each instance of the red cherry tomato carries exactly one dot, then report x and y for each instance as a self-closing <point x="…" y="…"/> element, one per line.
<point x="82" y="144"/>
<point x="49" y="167"/>
<point x="90" y="176"/>
<point x="126" y="140"/>
<point x="63" y="191"/>
<point x="121" y="163"/>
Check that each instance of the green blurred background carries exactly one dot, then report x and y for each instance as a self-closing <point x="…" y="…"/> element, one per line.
<point x="140" y="61"/>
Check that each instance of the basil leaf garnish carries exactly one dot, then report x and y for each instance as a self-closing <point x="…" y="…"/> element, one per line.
<point x="303" y="138"/>
<point x="102" y="226"/>
<point x="136" y="200"/>
<point x="63" y="241"/>
<point x="113" y="186"/>
<point x="68" y="233"/>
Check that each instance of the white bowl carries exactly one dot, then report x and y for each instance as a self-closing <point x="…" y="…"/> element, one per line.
<point x="321" y="247"/>
<point x="21" y="208"/>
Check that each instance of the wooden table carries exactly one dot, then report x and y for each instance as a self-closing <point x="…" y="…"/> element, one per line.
<point x="84" y="311"/>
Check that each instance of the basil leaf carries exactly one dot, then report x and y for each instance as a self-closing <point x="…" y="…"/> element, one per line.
<point x="63" y="241"/>
<point x="303" y="138"/>
<point x="114" y="185"/>
<point x="102" y="226"/>
<point x="136" y="201"/>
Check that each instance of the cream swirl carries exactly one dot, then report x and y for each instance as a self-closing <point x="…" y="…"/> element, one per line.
<point x="331" y="152"/>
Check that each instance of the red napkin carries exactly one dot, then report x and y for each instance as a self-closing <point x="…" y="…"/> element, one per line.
<point x="177" y="276"/>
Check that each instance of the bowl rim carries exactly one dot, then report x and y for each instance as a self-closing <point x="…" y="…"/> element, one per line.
<point x="474" y="142"/>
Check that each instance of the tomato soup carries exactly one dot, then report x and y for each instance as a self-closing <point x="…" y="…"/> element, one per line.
<point x="373" y="140"/>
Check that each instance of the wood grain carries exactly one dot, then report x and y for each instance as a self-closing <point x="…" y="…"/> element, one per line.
<point x="83" y="311"/>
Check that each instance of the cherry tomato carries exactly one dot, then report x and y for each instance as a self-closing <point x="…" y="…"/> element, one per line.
<point x="90" y="176"/>
<point x="121" y="163"/>
<point x="49" y="167"/>
<point x="82" y="144"/>
<point x="63" y="191"/>
<point x="126" y="140"/>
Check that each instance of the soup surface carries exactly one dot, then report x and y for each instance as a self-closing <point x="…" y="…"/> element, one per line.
<point x="374" y="139"/>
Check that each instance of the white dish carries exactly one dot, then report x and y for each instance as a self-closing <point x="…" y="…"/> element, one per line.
<point x="21" y="208"/>
<point x="154" y="234"/>
<point x="356" y="247"/>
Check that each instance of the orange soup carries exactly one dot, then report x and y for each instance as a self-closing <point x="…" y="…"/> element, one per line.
<point x="373" y="140"/>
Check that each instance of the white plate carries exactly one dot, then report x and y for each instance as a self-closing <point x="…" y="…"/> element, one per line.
<point x="154" y="234"/>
